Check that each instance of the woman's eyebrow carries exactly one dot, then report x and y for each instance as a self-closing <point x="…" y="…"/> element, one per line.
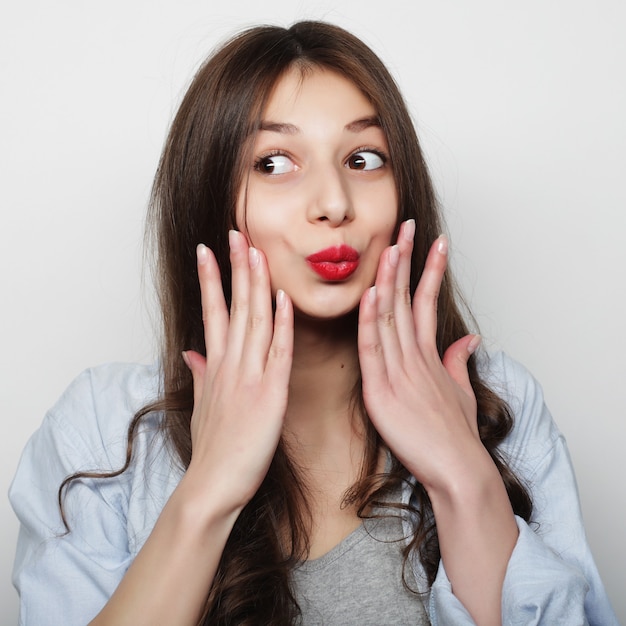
<point x="290" y="129"/>
<point x="279" y="127"/>
<point x="359" y="125"/>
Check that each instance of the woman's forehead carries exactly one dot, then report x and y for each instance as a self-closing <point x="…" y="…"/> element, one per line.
<point x="316" y="102"/>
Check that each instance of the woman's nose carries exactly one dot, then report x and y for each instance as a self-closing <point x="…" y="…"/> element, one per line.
<point x="330" y="197"/>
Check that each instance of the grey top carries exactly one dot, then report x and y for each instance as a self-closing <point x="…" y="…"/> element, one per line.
<point x="359" y="582"/>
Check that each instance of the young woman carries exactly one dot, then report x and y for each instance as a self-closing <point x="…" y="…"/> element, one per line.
<point x="321" y="443"/>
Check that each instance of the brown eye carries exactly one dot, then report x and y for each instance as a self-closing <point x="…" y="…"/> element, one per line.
<point x="365" y="160"/>
<point x="274" y="164"/>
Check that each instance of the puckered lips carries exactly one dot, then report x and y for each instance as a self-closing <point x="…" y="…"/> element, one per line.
<point x="335" y="263"/>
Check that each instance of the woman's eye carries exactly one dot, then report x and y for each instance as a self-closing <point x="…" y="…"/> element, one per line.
<point x="365" y="160"/>
<point x="275" y="164"/>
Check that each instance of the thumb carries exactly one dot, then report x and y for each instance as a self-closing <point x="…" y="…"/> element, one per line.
<point x="197" y="365"/>
<point x="455" y="361"/>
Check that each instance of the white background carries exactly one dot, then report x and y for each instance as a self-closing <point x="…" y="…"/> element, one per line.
<point x="521" y="110"/>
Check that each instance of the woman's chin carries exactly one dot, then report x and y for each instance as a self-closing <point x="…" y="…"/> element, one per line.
<point x="325" y="316"/>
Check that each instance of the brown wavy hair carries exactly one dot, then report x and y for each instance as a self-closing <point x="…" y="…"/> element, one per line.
<point x="193" y="200"/>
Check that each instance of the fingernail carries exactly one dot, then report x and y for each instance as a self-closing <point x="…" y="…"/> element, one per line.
<point x="371" y="294"/>
<point x="442" y="244"/>
<point x="232" y="238"/>
<point x="202" y="253"/>
<point x="281" y="300"/>
<point x="394" y="256"/>
<point x="253" y="257"/>
<point x="186" y="359"/>
<point x="474" y="343"/>
<point x="409" y="230"/>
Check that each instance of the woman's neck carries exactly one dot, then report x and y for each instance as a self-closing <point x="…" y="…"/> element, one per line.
<point x="324" y="431"/>
<point x="325" y="372"/>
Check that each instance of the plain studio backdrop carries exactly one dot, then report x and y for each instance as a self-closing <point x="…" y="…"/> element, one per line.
<point x="520" y="108"/>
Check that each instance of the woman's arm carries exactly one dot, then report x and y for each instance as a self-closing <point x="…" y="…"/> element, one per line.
<point x="168" y="581"/>
<point x="494" y="567"/>
<point x="425" y="410"/>
<point x="551" y="576"/>
<point x="240" y="399"/>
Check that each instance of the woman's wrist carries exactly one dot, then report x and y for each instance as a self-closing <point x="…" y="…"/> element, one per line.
<point x="201" y="503"/>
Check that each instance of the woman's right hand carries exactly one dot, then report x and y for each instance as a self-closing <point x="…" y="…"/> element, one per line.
<point x="240" y="399"/>
<point x="241" y="387"/>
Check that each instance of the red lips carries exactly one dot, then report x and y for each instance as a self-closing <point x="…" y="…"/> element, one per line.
<point x="335" y="263"/>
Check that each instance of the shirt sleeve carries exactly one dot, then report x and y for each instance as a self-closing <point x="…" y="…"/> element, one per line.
<point x="551" y="576"/>
<point x="66" y="577"/>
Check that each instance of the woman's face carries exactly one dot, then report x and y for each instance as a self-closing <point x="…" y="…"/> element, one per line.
<point x="319" y="199"/>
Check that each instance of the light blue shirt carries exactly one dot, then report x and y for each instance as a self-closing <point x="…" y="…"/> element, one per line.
<point x="66" y="579"/>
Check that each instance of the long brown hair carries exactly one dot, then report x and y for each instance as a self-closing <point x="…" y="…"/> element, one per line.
<point x="193" y="200"/>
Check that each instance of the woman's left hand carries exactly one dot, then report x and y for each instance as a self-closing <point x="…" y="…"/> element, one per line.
<point x="422" y="406"/>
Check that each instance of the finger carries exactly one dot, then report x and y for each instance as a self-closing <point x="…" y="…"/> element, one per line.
<point x="240" y="303"/>
<point x="427" y="295"/>
<point x="280" y="353"/>
<point x="402" y="297"/>
<point x="371" y="357"/>
<point x="385" y="307"/>
<point x="259" y="325"/>
<point x="455" y="361"/>
<point x="214" y="311"/>
<point x="197" y="365"/>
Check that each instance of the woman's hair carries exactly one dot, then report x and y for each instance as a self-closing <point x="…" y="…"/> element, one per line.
<point x="203" y="164"/>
